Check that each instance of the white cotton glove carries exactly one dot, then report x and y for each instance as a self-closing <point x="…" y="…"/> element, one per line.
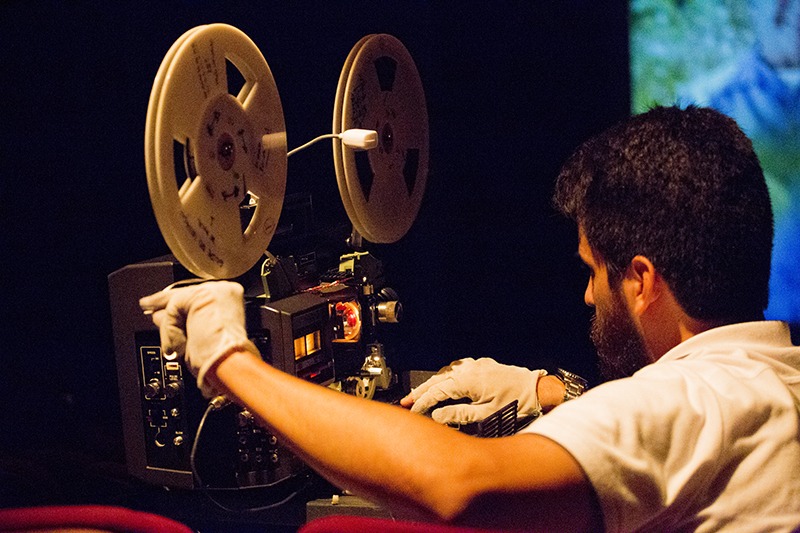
<point x="487" y="384"/>
<point x="202" y="323"/>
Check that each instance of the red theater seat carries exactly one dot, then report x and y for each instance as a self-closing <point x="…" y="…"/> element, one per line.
<point x="363" y="524"/>
<point x="87" y="517"/>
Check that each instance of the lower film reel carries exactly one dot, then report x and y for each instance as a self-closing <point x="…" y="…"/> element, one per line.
<point x="384" y="186"/>
<point x="210" y="151"/>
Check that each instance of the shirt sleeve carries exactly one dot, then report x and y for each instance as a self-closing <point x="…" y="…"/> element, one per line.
<point x="641" y="441"/>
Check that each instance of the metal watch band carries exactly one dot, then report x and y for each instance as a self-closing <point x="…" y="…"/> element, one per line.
<point x="574" y="385"/>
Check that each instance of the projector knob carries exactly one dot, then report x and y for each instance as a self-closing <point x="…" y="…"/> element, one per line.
<point x="152" y="389"/>
<point x="390" y="312"/>
<point x="172" y="389"/>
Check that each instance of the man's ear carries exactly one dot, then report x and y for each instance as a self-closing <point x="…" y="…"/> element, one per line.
<point x="642" y="284"/>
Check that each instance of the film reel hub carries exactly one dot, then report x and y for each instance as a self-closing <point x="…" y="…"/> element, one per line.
<point x="387" y="139"/>
<point x="227" y="147"/>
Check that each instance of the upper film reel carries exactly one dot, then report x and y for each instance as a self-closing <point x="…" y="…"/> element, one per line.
<point x="208" y="151"/>
<point x="380" y="89"/>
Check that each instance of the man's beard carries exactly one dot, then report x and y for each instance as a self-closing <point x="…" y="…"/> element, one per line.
<point x="620" y="347"/>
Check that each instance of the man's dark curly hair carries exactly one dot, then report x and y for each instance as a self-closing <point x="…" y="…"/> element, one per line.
<point x="684" y="188"/>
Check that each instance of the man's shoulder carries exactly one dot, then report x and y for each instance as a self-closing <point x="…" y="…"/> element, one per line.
<point x="682" y="428"/>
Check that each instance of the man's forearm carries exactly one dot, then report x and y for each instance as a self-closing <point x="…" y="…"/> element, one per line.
<point x="345" y="438"/>
<point x="395" y="457"/>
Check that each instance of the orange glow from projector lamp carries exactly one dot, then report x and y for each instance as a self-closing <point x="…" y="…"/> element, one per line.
<point x="349" y="313"/>
<point x="307" y="344"/>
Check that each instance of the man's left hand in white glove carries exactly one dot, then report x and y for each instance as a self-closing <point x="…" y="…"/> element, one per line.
<point x="202" y="323"/>
<point x="488" y="386"/>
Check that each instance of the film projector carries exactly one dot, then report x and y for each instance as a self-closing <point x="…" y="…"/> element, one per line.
<point x="216" y="171"/>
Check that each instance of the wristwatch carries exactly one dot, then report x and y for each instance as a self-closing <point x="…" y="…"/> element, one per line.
<point x="574" y="385"/>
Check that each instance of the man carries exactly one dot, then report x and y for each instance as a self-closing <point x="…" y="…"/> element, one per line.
<point x="700" y="431"/>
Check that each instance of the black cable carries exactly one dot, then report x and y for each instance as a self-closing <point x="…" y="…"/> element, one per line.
<point x="216" y="404"/>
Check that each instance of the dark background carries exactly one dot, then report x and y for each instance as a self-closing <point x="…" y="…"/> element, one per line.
<point x="488" y="269"/>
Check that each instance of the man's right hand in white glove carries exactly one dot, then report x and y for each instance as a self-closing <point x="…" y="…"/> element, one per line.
<point x="202" y="323"/>
<point x="487" y="384"/>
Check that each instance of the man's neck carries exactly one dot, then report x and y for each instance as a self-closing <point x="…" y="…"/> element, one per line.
<point x="669" y="325"/>
<point x="689" y="327"/>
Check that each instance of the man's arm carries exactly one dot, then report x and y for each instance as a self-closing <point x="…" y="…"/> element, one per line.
<point x="409" y="462"/>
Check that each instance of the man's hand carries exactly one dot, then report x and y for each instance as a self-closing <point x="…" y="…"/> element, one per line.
<point x="203" y="323"/>
<point x="487" y="384"/>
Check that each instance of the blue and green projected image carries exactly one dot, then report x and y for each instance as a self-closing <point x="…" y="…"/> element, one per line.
<point x="742" y="58"/>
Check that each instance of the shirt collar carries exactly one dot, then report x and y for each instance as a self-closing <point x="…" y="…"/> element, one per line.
<point x="772" y="332"/>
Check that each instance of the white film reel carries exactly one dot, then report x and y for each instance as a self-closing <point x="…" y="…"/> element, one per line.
<point x="380" y="89"/>
<point x="233" y="148"/>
